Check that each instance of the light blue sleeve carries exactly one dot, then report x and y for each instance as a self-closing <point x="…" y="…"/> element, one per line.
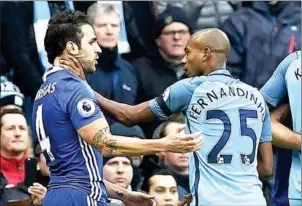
<point x="266" y="134"/>
<point x="176" y="98"/>
<point x="275" y="88"/>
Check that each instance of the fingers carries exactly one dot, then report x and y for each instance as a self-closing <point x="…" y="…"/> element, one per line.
<point x="181" y="128"/>
<point x="37" y="190"/>
<point x="153" y="203"/>
<point x="75" y="60"/>
<point x="194" y="142"/>
<point x="146" y="196"/>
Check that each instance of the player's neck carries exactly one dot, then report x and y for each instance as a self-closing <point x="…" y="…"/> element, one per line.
<point x="56" y="62"/>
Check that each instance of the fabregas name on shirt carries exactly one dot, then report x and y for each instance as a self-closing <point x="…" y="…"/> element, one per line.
<point x="48" y="89"/>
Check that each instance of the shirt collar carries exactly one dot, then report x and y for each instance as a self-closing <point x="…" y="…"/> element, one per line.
<point x="221" y="71"/>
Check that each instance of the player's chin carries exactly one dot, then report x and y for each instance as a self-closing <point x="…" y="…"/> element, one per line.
<point x="92" y="69"/>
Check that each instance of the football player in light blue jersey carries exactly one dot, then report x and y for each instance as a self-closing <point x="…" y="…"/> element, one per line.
<point x="68" y="123"/>
<point x="232" y="117"/>
<point x="287" y="80"/>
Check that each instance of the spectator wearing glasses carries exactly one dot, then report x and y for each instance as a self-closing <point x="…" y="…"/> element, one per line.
<point x="162" y="68"/>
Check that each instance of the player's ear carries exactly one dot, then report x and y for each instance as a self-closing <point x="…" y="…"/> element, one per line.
<point x="206" y="53"/>
<point x="72" y="48"/>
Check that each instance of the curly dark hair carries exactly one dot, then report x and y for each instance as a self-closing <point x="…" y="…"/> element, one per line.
<point x="63" y="27"/>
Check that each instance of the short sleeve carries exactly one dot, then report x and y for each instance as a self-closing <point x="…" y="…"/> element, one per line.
<point x="176" y="98"/>
<point x="81" y="105"/>
<point x="275" y="88"/>
<point x="266" y="134"/>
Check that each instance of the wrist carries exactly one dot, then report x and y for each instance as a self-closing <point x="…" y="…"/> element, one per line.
<point x="163" y="145"/>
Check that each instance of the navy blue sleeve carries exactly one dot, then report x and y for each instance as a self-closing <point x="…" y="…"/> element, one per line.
<point x="81" y="103"/>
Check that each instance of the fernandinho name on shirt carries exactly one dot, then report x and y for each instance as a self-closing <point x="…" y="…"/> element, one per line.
<point x="48" y="89"/>
<point x="222" y="93"/>
<point x="297" y="73"/>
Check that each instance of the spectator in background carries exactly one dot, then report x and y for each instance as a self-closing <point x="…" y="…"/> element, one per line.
<point x="202" y="14"/>
<point x="163" y="67"/>
<point x="162" y="185"/>
<point x="118" y="170"/>
<point x="10" y="96"/>
<point x="262" y="34"/>
<point x="15" y="143"/>
<point x="115" y="78"/>
<point x="176" y="163"/>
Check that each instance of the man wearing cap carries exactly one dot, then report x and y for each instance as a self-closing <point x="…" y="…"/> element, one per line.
<point x="10" y="96"/>
<point x="163" y="67"/>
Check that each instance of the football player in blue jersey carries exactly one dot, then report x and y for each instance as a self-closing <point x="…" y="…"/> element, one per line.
<point x="71" y="129"/>
<point x="231" y="115"/>
<point x="287" y="80"/>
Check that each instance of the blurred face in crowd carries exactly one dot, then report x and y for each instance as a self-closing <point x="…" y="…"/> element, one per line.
<point x="178" y="161"/>
<point x="173" y="39"/>
<point x="118" y="170"/>
<point x="14" y="135"/>
<point x="88" y="54"/>
<point x="107" y="29"/>
<point x="164" y="189"/>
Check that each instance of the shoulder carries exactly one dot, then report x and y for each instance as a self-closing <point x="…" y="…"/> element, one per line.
<point x="287" y="61"/>
<point x="188" y="84"/>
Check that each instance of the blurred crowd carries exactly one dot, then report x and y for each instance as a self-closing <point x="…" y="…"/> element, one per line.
<point x="142" y="47"/>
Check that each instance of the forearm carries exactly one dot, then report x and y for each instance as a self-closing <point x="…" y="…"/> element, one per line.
<point x="265" y="160"/>
<point x="114" y="191"/>
<point x="263" y="171"/>
<point x="284" y="137"/>
<point x="126" y="114"/>
<point x="111" y="145"/>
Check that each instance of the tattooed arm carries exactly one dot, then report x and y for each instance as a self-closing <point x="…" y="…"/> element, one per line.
<point x="98" y="134"/>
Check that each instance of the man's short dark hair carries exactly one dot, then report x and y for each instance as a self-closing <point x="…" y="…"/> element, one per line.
<point x="176" y="118"/>
<point x="63" y="27"/>
<point x="146" y="183"/>
<point x="10" y="111"/>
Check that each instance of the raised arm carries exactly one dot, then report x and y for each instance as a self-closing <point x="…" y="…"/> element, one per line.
<point x="282" y="135"/>
<point x="98" y="134"/>
<point x="126" y="114"/>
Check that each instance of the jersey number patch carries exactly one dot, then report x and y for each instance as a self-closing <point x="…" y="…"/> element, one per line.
<point x="215" y="156"/>
<point x="42" y="138"/>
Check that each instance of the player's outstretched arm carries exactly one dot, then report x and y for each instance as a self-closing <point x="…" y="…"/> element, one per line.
<point x="126" y="114"/>
<point x="129" y="198"/>
<point x="282" y="135"/>
<point x="98" y="134"/>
